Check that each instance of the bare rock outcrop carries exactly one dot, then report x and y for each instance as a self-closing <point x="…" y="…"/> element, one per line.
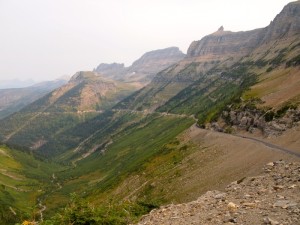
<point x="256" y="120"/>
<point x="286" y="23"/>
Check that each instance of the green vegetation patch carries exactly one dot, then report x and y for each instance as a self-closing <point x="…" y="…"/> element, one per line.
<point x="207" y="97"/>
<point x="132" y="145"/>
<point x="79" y="211"/>
<point x="293" y="62"/>
<point x="131" y="148"/>
<point x="23" y="180"/>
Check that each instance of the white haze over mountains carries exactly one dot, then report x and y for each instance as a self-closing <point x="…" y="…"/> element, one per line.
<point x="22" y="83"/>
<point x="16" y="83"/>
<point x="43" y="40"/>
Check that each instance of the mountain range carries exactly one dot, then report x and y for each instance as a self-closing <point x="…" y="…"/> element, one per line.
<point x="131" y="137"/>
<point x="14" y="99"/>
<point x="143" y="69"/>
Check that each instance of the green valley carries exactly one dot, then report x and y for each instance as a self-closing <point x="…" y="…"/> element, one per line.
<point x="24" y="180"/>
<point x="102" y="151"/>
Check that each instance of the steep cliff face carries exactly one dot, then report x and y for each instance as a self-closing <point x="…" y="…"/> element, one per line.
<point x="152" y="62"/>
<point x="285" y="24"/>
<point x="143" y="69"/>
<point x="222" y="44"/>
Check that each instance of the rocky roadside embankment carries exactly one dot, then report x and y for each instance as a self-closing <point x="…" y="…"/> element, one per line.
<point x="254" y="121"/>
<point x="272" y="198"/>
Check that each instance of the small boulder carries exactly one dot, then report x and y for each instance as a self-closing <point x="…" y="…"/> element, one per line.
<point x="232" y="207"/>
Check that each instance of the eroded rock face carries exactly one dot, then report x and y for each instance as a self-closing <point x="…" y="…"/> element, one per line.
<point x="246" y="119"/>
<point x="158" y="58"/>
<point x="113" y="69"/>
<point x="254" y="119"/>
<point x="272" y="198"/>
<point x="143" y="69"/>
<point x="286" y="23"/>
<point x="225" y="44"/>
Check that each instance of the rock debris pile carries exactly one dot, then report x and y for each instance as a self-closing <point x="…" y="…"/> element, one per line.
<point x="273" y="198"/>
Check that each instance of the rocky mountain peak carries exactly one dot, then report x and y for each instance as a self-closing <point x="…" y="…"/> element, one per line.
<point x="83" y="76"/>
<point x="291" y="10"/>
<point x="171" y="53"/>
<point x="109" y="68"/>
<point x="144" y="68"/>
<point x="86" y="91"/>
<point x="285" y="24"/>
<point x="154" y="61"/>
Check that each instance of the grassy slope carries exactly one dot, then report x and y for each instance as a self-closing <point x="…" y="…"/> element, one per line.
<point x="277" y="87"/>
<point x="198" y="161"/>
<point x="279" y="75"/>
<point x="39" y="124"/>
<point x="130" y="149"/>
<point x="23" y="179"/>
<point x="179" y="171"/>
<point x="165" y="85"/>
<point x="28" y="129"/>
<point x="206" y="97"/>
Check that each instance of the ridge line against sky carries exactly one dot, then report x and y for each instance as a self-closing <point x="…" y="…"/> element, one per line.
<point x="46" y="39"/>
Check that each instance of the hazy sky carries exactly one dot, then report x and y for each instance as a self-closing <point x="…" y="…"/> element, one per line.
<point x="45" y="39"/>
